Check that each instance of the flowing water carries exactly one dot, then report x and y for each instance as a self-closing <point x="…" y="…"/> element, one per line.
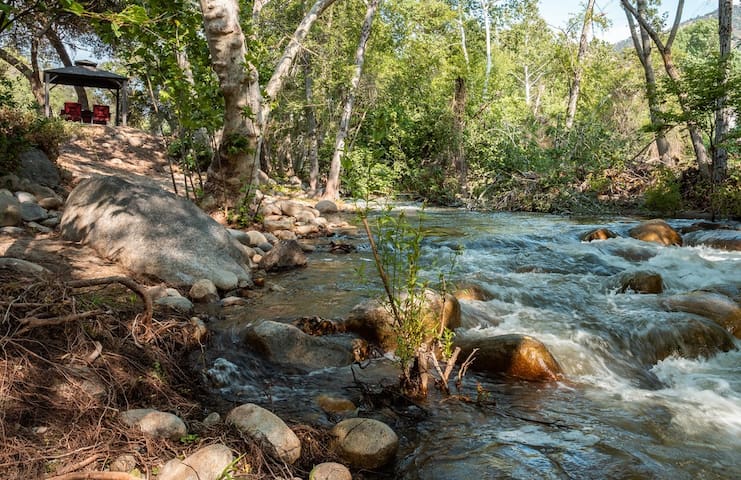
<point x="626" y="410"/>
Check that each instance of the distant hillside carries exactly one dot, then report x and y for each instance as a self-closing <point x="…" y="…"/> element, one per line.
<point x="628" y="42"/>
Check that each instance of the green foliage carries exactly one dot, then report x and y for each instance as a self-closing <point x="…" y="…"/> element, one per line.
<point x="664" y="195"/>
<point x="20" y="130"/>
<point x="364" y="176"/>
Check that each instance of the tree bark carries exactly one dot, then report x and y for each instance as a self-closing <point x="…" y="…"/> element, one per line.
<point x="576" y="81"/>
<point x="642" y="46"/>
<point x="671" y="70"/>
<point x="333" y="180"/>
<point x="487" y="33"/>
<point x="722" y="112"/>
<point x="464" y="48"/>
<point x="313" y="147"/>
<point x="460" y="165"/>
<point x="58" y="45"/>
<point x="235" y="163"/>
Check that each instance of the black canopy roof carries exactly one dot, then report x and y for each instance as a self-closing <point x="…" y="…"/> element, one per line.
<point x="85" y="77"/>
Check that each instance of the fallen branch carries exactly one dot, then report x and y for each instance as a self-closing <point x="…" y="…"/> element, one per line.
<point x="34" y="322"/>
<point x="95" y="476"/>
<point x="126" y="282"/>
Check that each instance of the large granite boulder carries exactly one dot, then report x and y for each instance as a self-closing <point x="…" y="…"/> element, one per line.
<point x="36" y="167"/>
<point x="374" y="321"/>
<point x="714" y="306"/>
<point x="512" y="355"/>
<point x="656" y="231"/>
<point x="153" y="232"/>
<point x="10" y="209"/>
<point x="685" y="337"/>
<point x="641" y="282"/>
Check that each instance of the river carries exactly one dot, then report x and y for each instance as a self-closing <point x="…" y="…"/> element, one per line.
<point x="623" y="412"/>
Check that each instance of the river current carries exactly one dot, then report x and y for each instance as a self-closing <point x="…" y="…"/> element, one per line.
<point x="623" y="412"/>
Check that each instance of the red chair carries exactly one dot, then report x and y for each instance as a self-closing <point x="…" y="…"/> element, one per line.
<point x="101" y="114"/>
<point x="72" y="111"/>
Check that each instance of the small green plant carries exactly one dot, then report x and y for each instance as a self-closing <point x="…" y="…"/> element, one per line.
<point x="190" y="438"/>
<point x="664" y="195"/>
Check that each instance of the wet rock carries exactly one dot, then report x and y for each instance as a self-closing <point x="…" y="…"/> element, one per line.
<point x="472" y="292"/>
<point x="155" y="423"/>
<point x="286" y="344"/>
<point x="686" y="337"/>
<point x="714" y="306"/>
<point x="36" y="167"/>
<point x="330" y="471"/>
<point x="656" y="231"/>
<point x="283" y="256"/>
<point x="373" y="321"/>
<point x="153" y="232"/>
<point x="207" y="463"/>
<point x="513" y="355"/>
<point x="265" y="426"/>
<point x="598" y="234"/>
<point x="335" y="405"/>
<point x="204" y="291"/>
<point x="233" y="301"/>
<point x="222" y="373"/>
<point x="10" y="209"/>
<point x="365" y="443"/>
<point x="721" y="239"/>
<point x="641" y="282"/>
<point x="326" y="206"/>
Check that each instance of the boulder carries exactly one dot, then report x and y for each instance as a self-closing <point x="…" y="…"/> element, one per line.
<point x="598" y="234"/>
<point x="265" y="426"/>
<point x="326" y="206"/>
<point x="472" y="292"/>
<point x="374" y="321"/>
<point x="365" y="443"/>
<point x="330" y="471"/>
<point x="257" y="239"/>
<point x="721" y="239"/>
<point x="641" y="282"/>
<point x="10" y="209"/>
<point x="286" y="344"/>
<point x="36" y="167"/>
<point x="207" y="463"/>
<point x="285" y="255"/>
<point x="656" y="231"/>
<point x="204" y="291"/>
<point x="153" y="232"/>
<point x="714" y="306"/>
<point x="513" y="355"/>
<point x="155" y="423"/>
<point x="686" y="337"/>
<point x="291" y="208"/>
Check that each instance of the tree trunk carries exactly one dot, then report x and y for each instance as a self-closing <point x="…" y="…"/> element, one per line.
<point x="671" y="70"/>
<point x="235" y="163"/>
<point x="463" y="32"/>
<point x="722" y="112"/>
<point x="642" y="46"/>
<point x="313" y="147"/>
<point x="333" y="180"/>
<point x="576" y="82"/>
<point x="460" y="165"/>
<point x="487" y="32"/>
<point x="58" y="45"/>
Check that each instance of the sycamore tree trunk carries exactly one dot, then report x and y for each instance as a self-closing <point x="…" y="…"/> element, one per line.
<point x="311" y="129"/>
<point x="464" y="48"/>
<point x="333" y="180"/>
<point x="487" y="33"/>
<point x="460" y="165"/>
<point x="642" y="46"/>
<point x="722" y="112"/>
<point x="576" y="81"/>
<point x="234" y="165"/>
<point x="671" y="70"/>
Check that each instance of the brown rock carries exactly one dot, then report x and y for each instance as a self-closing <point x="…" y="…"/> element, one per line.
<point x="599" y="234"/>
<point x="365" y="443"/>
<point x="714" y="306"/>
<point x="656" y="231"/>
<point x="642" y="282"/>
<point x="285" y="255"/>
<point x="473" y="292"/>
<point x="514" y="355"/>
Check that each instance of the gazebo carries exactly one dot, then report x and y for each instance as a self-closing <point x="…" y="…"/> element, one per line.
<point x="86" y="74"/>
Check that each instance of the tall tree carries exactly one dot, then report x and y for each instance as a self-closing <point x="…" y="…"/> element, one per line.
<point x="487" y="34"/>
<point x="665" y="49"/>
<point x="333" y="180"/>
<point x="576" y="80"/>
<point x="722" y="112"/>
<point x="642" y="44"/>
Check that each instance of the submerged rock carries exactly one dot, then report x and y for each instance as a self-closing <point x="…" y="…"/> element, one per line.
<point x="656" y="231"/>
<point x="721" y="239"/>
<point x="513" y="355"/>
<point x="688" y="338"/>
<point x="714" y="306"/>
<point x="641" y="282"/>
<point x="598" y="234"/>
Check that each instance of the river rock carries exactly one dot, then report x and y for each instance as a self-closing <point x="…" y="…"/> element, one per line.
<point x="286" y="344"/>
<point x="36" y="167"/>
<point x="123" y="463"/>
<point x="257" y="239"/>
<point x="207" y="463"/>
<point x="686" y="337"/>
<point x="155" y="423"/>
<point x="335" y="405"/>
<point x="472" y="292"/>
<point x="153" y="232"/>
<point x="656" y="231"/>
<point x="22" y="266"/>
<point x="373" y="321"/>
<point x="10" y="209"/>
<point x="32" y="212"/>
<point x="513" y="355"/>
<point x="25" y="197"/>
<point x="598" y="234"/>
<point x="330" y="471"/>
<point x="326" y="206"/>
<point x="721" y="239"/>
<point x="265" y="426"/>
<point x="285" y="255"/>
<point x="365" y="443"/>
<point x="51" y="203"/>
<point x="180" y="304"/>
<point x="714" y="306"/>
<point x="274" y="224"/>
<point x="641" y="282"/>
<point x="204" y="291"/>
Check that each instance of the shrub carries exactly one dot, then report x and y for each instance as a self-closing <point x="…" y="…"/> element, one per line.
<point x="664" y="195"/>
<point x="20" y="130"/>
